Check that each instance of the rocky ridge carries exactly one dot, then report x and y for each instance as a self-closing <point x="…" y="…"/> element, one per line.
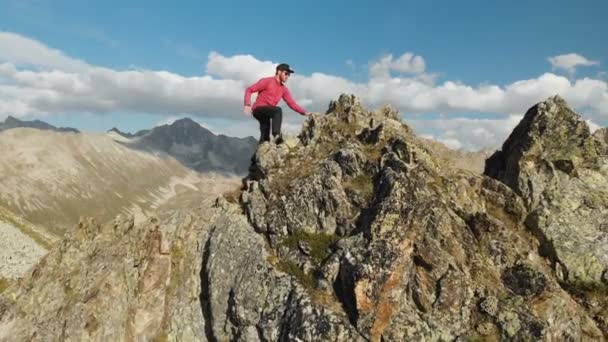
<point x="12" y="122"/>
<point x="561" y="172"/>
<point x="352" y="231"/>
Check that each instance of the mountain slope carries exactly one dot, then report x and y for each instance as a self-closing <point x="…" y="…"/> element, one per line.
<point x="53" y="178"/>
<point x="22" y="244"/>
<point x="197" y="147"/>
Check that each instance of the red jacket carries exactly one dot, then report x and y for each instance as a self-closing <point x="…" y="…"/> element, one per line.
<point x="270" y="91"/>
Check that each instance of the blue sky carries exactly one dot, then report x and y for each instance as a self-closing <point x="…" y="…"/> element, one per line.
<point x="475" y="49"/>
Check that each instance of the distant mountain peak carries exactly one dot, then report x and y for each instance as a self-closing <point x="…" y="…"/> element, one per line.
<point x="11" y="119"/>
<point x="198" y="147"/>
<point x="12" y="122"/>
<point x="185" y="121"/>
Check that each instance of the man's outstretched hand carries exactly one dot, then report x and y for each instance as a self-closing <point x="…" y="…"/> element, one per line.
<point x="247" y="110"/>
<point x="307" y="114"/>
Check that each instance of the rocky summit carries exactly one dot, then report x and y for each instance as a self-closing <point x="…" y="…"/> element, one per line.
<point x="353" y="231"/>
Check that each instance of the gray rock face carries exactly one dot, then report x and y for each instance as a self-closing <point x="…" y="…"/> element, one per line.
<point x="248" y="299"/>
<point x="114" y="282"/>
<point x="561" y="171"/>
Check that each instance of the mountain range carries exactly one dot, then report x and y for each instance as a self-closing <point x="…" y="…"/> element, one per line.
<point x="52" y="178"/>
<point x="356" y="230"/>
<point x="187" y="141"/>
<point x="12" y="122"/>
<point x="196" y="147"/>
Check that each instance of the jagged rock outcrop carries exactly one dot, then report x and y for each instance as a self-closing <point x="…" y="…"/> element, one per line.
<point x="561" y="171"/>
<point x="113" y="282"/>
<point x="247" y="298"/>
<point x="411" y="248"/>
<point x="353" y="231"/>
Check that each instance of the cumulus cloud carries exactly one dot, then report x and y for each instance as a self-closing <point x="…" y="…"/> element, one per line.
<point x="240" y="67"/>
<point x="569" y="62"/>
<point x="38" y="80"/>
<point x="407" y="63"/>
<point x="467" y="133"/>
<point x="20" y="50"/>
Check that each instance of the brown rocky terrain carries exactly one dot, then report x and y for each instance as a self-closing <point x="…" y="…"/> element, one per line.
<point x="357" y="231"/>
<point x="52" y="178"/>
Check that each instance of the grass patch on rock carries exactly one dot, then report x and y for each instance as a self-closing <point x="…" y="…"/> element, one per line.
<point x="373" y="152"/>
<point x="291" y="268"/>
<point x="4" y="284"/>
<point x="361" y="184"/>
<point x="233" y="196"/>
<point x="319" y="244"/>
<point x="586" y="288"/>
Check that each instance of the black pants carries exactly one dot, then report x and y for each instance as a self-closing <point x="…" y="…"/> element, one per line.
<point x="268" y="116"/>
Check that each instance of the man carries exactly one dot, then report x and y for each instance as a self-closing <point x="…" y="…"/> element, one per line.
<point x="270" y="91"/>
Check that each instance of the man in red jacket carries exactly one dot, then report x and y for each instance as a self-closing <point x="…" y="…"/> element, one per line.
<point x="270" y="91"/>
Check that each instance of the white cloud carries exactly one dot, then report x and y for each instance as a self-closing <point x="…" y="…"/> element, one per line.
<point x="592" y="125"/>
<point x="36" y="80"/>
<point x="20" y="50"/>
<point x="240" y="67"/>
<point x="452" y="143"/>
<point x="570" y="62"/>
<point x="467" y="133"/>
<point x="407" y="63"/>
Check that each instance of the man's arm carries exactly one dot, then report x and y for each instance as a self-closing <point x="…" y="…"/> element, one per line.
<point x="292" y="103"/>
<point x="254" y="88"/>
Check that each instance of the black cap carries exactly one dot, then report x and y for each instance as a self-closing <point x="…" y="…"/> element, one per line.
<point x="285" y="67"/>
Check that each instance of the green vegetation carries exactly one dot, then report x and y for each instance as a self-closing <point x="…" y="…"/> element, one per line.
<point x="41" y="241"/>
<point x="233" y="196"/>
<point x="291" y="268"/>
<point x="345" y="129"/>
<point x="374" y="152"/>
<point x="71" y="294"/>
<point x="162" y="337"/>
<point x="4" y="284"/>
<point x="179" y="269"/>
<point x="177" y="252"/>
<point x="319" y="244"/>
<point x="361" y="184"/>
<point x="583" y="288"/>
<point x="590" y="292"/>
<point x="293" y="168"/>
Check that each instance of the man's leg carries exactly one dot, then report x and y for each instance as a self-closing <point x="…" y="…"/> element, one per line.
<point x="277" y="119"/>
<point x="261" y="114"/>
